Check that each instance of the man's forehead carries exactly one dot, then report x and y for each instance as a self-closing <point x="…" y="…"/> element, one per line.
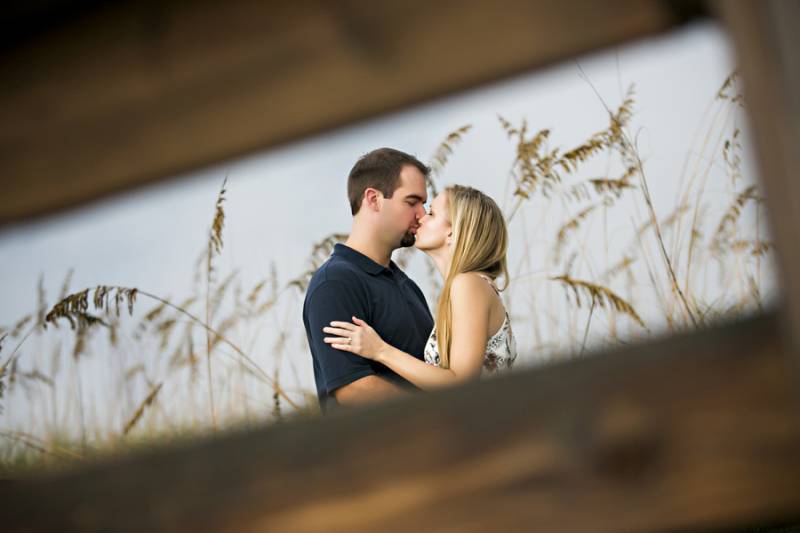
<point x="412" y="183"/>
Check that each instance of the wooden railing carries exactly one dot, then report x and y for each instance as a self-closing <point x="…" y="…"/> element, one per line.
<point x="131" y="92"/>
<point x="695" y="433"/>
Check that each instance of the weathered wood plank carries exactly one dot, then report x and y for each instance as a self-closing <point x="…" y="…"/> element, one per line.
<point x="697" y="432"/>
<point x="768" y="50"/>
<point x="131" y="92"/>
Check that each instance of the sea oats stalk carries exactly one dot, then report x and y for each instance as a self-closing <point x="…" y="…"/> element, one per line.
<point x="598" y="294"/>
<point x="631" y="154"/>
<point x="442" y="154"/>
<point x="147" y="402"/>
<point x="214" y="248"/>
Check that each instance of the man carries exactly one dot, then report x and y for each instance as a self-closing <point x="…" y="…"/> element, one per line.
<point x="387" y="193"/>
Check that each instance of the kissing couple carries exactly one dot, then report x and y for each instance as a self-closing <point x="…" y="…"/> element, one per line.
<point x="369" y="328"/>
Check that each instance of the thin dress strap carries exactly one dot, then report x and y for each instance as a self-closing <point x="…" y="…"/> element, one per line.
<point x="501" y="348"/>
<point x="490" y="282"/>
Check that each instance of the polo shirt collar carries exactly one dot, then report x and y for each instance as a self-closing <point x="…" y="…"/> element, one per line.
<point x="365" y="263"/>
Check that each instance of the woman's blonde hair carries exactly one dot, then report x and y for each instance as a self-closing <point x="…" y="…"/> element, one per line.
<point x="480" y="241"/>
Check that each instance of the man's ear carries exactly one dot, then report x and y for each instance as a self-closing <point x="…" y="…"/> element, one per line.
<point x="372" y="199"/>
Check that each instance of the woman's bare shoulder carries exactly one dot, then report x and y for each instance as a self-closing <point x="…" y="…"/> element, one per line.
<point x="472" y="285"/>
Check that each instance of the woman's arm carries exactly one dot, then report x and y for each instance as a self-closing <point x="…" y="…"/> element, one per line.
<point x="471" y="305"/>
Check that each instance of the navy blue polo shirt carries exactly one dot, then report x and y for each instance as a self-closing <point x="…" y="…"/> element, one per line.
<point x="351" y="284"/>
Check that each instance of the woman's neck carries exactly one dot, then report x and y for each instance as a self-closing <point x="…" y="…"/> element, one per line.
<point x="441" y="258"/>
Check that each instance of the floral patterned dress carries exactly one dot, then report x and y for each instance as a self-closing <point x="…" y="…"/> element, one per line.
<point x="501" y="349"/>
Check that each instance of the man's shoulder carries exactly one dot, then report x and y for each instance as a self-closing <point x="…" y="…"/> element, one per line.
<point x="334" y="271"/>
<point x="405" y="279"/>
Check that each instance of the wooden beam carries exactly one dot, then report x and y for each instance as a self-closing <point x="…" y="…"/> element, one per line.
<point x="129" y="92"/>
<point x="765" y="34"/>
<point x="690" y="433"/>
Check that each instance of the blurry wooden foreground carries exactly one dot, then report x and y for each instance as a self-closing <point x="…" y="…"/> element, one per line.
<point x="696" y="432"/>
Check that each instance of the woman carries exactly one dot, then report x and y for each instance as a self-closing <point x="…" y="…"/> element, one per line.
<point x="465" y="234"/>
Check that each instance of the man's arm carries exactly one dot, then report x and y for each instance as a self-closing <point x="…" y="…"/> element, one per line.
<point x="368" y="389"/>
<point x="348" y="378"/>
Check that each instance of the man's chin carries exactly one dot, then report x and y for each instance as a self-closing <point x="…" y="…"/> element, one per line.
<point x="408" y="240"/>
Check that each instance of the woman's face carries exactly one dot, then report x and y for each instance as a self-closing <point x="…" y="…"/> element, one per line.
<point x="435" y="231"/>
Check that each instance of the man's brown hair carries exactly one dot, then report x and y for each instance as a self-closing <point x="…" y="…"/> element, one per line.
<point x="379" y="169"/>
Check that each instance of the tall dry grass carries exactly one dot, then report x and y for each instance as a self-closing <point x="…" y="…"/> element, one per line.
<point x="182" y="366"/>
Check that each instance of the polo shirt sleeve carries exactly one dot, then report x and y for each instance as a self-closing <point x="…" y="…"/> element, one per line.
<point x="330" y="301"/>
